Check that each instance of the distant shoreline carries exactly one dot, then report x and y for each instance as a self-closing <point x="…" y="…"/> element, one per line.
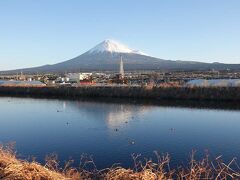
<point x="195" y="94"/>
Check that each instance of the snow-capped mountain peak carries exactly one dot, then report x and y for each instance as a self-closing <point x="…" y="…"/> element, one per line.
<point x="113" y="46"/>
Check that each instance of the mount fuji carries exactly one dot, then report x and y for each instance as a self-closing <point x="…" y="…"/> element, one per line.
<point x="106" y="57"/>
<point x="112" y="46"/>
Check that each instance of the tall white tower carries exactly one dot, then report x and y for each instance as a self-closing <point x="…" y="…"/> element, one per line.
<point x="121" y="71"/>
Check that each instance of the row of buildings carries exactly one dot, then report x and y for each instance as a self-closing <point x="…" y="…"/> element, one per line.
<point x="146" y="78"/>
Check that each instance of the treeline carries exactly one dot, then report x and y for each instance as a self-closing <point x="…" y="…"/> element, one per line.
<point x="175" y="93"/>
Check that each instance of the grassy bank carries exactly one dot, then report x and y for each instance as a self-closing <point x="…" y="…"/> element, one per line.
<point x="12" y="168"/>
<point x="160" y="93"/>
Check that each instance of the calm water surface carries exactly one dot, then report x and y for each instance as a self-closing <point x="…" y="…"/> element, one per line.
<point x="107" y="130"/>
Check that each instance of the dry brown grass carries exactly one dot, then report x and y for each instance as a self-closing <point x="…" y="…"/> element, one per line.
<point x="12" y="168"/>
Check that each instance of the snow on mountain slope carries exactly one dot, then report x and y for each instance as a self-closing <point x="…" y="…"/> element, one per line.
<point x="113" y="47"/>
<point x="106" y="57"/>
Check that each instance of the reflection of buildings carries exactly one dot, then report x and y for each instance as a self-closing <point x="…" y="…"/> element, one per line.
<point x="113" y="115"/>
<point x="124" y="113"/>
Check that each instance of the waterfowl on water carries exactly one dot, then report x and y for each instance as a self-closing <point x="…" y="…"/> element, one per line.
<point x="132" y="142"/>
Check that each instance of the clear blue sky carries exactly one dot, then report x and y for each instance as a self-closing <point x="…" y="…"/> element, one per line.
<point x="42" y="32"/>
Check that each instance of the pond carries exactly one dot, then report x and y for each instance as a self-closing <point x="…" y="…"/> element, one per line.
<point x="111" y="131"/>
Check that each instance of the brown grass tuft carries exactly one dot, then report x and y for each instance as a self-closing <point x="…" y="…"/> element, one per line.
<point x="12" y="168"/>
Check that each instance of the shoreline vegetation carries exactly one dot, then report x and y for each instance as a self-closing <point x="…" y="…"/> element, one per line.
<point x="12" y="168"/>
<point x="218" y="94"/>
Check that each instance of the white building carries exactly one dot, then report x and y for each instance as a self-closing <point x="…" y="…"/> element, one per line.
<point x="84" y="76"/>
<point x="214" y="83"/>
<point x="76" y="77"/>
